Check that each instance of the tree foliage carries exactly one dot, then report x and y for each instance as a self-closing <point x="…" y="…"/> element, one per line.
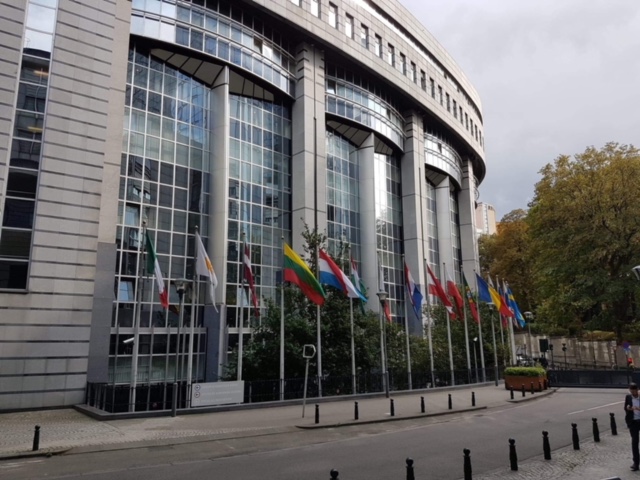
<point x="584" y="225"/>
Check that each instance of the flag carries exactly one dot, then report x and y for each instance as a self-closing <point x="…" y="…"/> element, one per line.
<point x="496" y="298"/>
<point x="483" y="290"/>
<point x="296" y="271"/>
<point x="414" y="292"/>
<point x="452" y="290"/>
<point x="470" y="300"/>
<point x="358" y="283"/>
<point x="153" y="268"/>
<point x="330" y="274"/>
<point x="385" y="303"/>
<point x="205" y="269"/>
<point x="514" y="306"/>
<point x="435" y="288"/>
<point x="248" y="277"/>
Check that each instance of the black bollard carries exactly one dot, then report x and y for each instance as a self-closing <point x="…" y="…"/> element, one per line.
<point x="532" y="389"/>
<point x="450" y="403"/>
<point x="511" y="392"/>
<point x="392" y="408"/>
<point x="523" y="392"/>
<point x="356" y="415"/>
<point x="410" y="474"/>
<point x="334" y="474"/>
<point x="513" y="456"/>
<point x="473" y="399"/>
<point x="574" y="436"/>
<point x="467" y="464"/>
<point x="596" y="430"/>
<point x="422" y="405"/>
<point x="36" y="439"/>
<point x="317" y="413"/>
<point x="614" y="427"/>
<point x="546" y="447"/>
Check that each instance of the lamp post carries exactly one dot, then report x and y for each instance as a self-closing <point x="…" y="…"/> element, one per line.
<point x="529" y="317"/>
<point x="553" y="365"/>
<point x="181" y="286"/>
<point x="382" y="295"/>
<point x="564" y="349"/>
<point x="475" y="358"/>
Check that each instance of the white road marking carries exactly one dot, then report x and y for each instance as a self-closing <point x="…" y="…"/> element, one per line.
<point x="18" y="464"/>
<point x="594" y="408"/>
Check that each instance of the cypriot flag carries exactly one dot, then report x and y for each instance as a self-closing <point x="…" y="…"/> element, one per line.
<point x="204" y="268"/>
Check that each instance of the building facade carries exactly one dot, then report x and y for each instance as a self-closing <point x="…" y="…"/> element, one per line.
<point x="247" y="120"/>
<point x="485" y="219"/>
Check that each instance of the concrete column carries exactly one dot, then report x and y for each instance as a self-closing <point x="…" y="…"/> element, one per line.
<point x="309" y="159"/>
<point x="218" y="218"/>
<point x="412" y="168"/>
<point x="443" y="209"/>
<point x="369" y="261"/>
<point x="466" y="210"/>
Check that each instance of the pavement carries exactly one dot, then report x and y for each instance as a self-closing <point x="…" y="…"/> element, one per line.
<point x="68" y="431"/>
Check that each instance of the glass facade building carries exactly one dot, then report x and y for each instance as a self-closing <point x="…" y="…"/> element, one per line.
<point x="148" y="121"/>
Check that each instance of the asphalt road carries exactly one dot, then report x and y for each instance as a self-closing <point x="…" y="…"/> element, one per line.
<point x="362" y="452"/>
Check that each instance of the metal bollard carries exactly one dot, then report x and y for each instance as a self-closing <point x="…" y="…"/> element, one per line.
<point x="392" y="408"/>
<point x="410" y="474"/>
<point x="467" y="464"/>
<point x="450" y="403"/>
<point x="473" y="399"/>
<point x="36" y="439"/>
<point x="356" y="414"/>
<point x="546" y="447"/>
<point x="523" y="392"/>
<point x="532" y="389"/>
<point x="596" y="430"/>
<point x="317" y="413"/>
<point x="513" y="456"/>
<point x="422" y="410"/>
<point x="574" y="436"/>
<point x="334" y="474"/>
<point x="614" y="427"/>
<point x="511" y="393"/>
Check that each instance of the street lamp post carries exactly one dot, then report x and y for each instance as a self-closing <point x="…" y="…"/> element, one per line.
<point x="382" y="295"/>
<point x="475" y="358"/>
<point x="181" y="286"/>
<point x="564" y="349"/>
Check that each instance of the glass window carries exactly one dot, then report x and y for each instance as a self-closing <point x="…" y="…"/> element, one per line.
<point x="333" y="15"/>
<point x="18" y="213"/>
<point x="13" y="274"/>
<point x="364" y="36"/>
<point x="38" y="43"/>
<point x="348" y="25"/>
<point x="315" y="8"/>
<point x="377" y="45"/>
<point x="35" y="70"/>
<point x="28" y="126"/>
<point x="41" y="18"/>
<point x="25" y="154"/>
<point x="31" y="97"/>
<point x="22" y="183"/>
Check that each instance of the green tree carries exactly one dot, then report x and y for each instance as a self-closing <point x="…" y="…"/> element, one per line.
<point x="585" y="236"/>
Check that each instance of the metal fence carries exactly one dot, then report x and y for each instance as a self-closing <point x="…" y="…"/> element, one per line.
<point x="158" y="396"/>
<point x="593" y="378"/>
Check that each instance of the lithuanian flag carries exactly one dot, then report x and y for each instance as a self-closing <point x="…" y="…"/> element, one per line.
<point x="296" y="271"/>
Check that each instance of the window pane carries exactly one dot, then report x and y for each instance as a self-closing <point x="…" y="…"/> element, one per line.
<point x="18" y="213"/>
<point x="15" y="244"/>
<point x="25" y="154"/>
<point x="28" y="125"/>
<point x="13" y="274"/>
<point x="41" y="18"/>
<point x="35" y="70"/>
<point x="22" y="183"/>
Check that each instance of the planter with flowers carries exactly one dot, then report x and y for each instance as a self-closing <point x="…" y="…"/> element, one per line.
<point x="517" y="377"/>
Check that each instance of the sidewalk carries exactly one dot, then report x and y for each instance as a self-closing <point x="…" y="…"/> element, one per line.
<point x="69" y="431"/>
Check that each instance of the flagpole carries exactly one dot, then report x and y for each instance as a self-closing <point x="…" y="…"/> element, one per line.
<point x="453" y="380"/>
<point x="429" y="337"/>
<point x="353" y="343"/>
<point x="241" y="324"/>
<point x="484" y="372"/>
<point x="406" y="325"/>
<point x="512" y="338"/>
<point x="383" y="297"/>
<point x="504" y="359"/>
<point x="193" y="320"/>
<point x="493" y="334"/>
<point x="136" y="323"/>
<point x="466" y="329"/>
<point x="282" y="325"/>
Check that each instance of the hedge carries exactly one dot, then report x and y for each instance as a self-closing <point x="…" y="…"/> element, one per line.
<point x="525" y="371"/>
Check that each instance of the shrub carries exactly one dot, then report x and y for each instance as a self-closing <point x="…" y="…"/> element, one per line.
<point x="525" y="371"/>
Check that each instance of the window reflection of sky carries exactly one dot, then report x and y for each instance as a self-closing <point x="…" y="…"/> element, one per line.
<point x="41" y="18"/>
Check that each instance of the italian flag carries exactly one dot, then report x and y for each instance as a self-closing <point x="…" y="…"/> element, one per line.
<point x="153" y="268"/>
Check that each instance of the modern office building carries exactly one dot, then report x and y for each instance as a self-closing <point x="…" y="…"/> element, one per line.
<point x="485" y="219"/>
<point x="248" y="119"/>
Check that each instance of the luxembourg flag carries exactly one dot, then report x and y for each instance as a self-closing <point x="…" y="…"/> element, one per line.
<point x="414" y="291"/>
<point x="330" y="274"/>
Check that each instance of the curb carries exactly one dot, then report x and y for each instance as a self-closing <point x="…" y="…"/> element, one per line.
<point x="388" y="419"/>
<point x="38" y="453"/>
<point x="549" y="391"/>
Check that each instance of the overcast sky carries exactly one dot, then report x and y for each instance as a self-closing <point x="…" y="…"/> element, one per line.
<point x="554" y="77"/>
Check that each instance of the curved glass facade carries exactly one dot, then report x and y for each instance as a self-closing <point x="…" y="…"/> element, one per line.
<point x="343" y="194"/>
<point x="164" y="182"/>
<point x="259" y="197"/>
<point x="455" y="236"/>
<point x="433" y="255"/>
<point x="220" y="30"/>
<point x="389" y="230"/>
<point x="350" y="96"/>
<point x="441" y="155"/>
